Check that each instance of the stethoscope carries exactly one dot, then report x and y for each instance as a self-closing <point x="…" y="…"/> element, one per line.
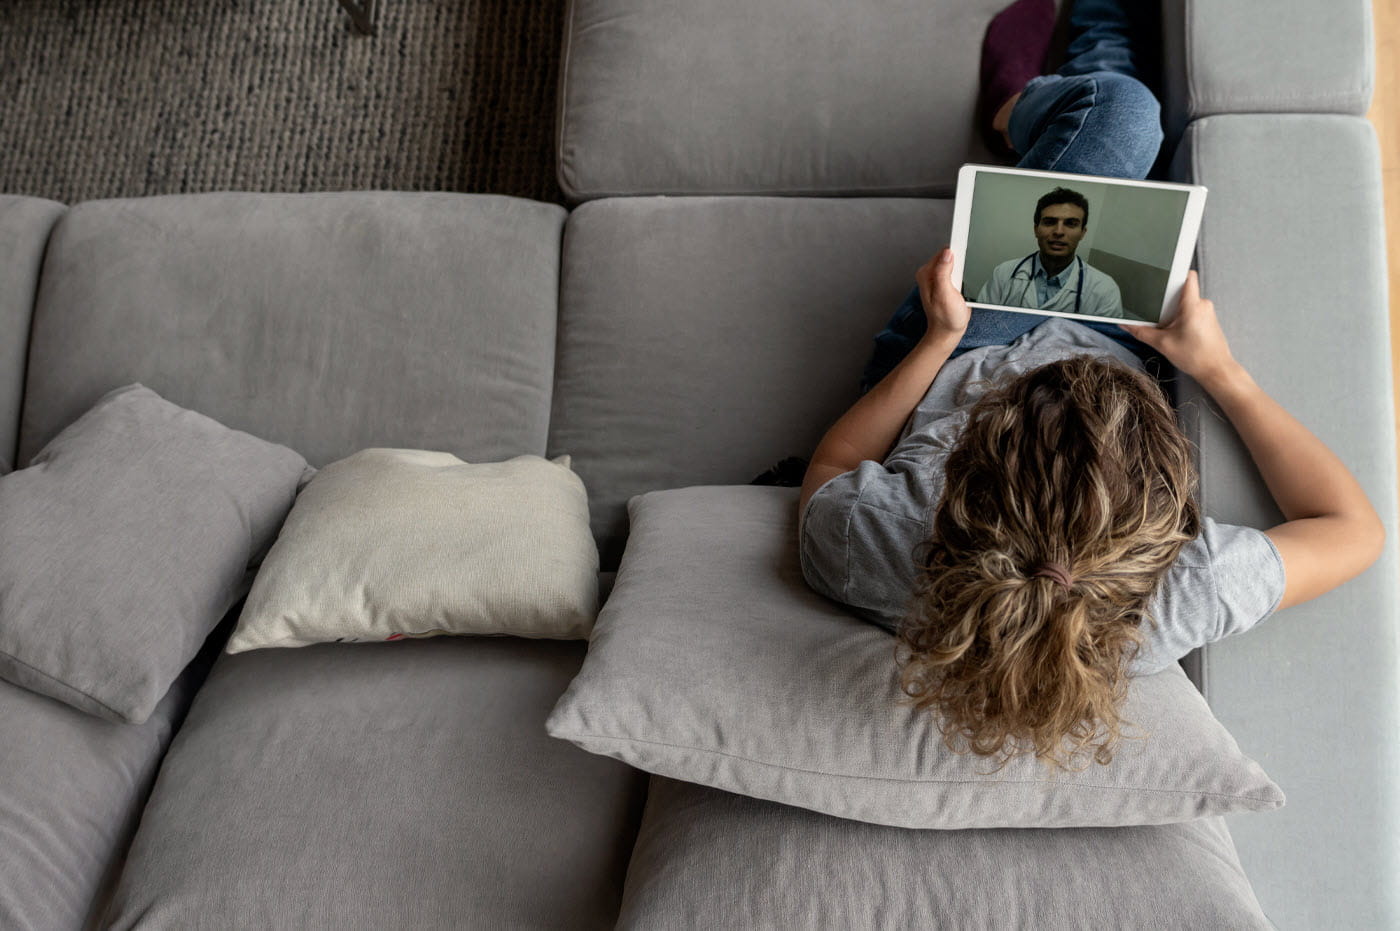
<point x="1078" y="292"/>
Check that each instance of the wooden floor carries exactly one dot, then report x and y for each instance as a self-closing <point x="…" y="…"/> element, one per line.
<point x="1385" y="116"/>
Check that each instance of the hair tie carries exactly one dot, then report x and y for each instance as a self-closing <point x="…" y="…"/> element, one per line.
<point x="1051" y="570"/>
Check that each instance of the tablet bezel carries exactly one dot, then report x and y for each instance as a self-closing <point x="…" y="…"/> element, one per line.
<point x="1181" y="259"/>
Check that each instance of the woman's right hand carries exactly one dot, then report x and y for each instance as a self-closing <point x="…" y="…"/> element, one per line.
<point x="1193" y="341"/>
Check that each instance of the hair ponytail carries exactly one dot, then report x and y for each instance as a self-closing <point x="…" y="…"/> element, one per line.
<point x="1068" y="496"/>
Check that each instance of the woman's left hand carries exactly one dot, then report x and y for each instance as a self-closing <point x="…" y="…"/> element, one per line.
<point x="944" y="308"/>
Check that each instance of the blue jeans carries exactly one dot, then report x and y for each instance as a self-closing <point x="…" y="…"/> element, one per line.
<point x="1093" y="116"/>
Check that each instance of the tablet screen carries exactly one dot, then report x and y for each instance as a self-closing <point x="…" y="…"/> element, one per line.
<point x="1073" y="245"/>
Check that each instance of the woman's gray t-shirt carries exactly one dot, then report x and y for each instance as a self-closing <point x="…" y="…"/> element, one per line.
<point x="860" y="529"/>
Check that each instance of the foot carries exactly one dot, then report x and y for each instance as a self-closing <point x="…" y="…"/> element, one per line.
<point x="1013" y="51"/>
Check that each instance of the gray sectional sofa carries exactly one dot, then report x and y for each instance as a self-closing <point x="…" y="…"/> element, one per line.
<point x="753" y="188"/>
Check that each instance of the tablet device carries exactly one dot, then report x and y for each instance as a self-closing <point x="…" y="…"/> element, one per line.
<point x="1080" y="246"/>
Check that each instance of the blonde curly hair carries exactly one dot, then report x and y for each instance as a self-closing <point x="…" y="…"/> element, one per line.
<point x="1068" y="496"/>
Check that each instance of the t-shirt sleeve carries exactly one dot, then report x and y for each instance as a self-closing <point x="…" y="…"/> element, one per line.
<point x="857" y="541"/>
<point x="1224" y="582"/>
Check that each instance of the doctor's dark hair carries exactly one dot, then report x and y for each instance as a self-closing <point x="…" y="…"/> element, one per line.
<point x="1069" y="494"/>
<point x="1062" y="195"/>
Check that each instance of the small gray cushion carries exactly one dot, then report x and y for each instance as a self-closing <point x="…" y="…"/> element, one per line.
<point x="708" y="859"/>
<point x="713" y="662"/>
<point x="70" y="799"/>
<point x="124" y="542"/>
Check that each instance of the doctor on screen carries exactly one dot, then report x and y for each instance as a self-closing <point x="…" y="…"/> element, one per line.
<point x="1054" y="278"/>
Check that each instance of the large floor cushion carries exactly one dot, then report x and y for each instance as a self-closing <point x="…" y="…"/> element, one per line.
<point x="787" y="97"/>
<point x="373" y="786"/>
<point x="708" y="859"/>
<point x="704" y="339"/>
<point x="24" y="231"/>
<point x="325" y="322"/>
<point x="1314" y="695"/>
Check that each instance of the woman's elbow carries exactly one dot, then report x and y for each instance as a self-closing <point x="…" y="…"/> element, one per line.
<point x="1373" y="538"/>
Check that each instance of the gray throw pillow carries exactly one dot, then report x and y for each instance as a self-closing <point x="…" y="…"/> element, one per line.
<point x="713" y="662"/>
<point x="124" y="542"/>
<point x="708" y="859"/>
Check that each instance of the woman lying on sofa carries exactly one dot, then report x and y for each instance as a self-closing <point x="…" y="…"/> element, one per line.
<point x="1066" y="552"/>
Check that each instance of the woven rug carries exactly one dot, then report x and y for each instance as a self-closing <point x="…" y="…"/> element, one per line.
<point x="120" y="98"/>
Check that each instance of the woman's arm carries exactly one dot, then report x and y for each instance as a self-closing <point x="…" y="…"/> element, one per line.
<point x="869" y="429"/>
<point x="1332" y="532"/>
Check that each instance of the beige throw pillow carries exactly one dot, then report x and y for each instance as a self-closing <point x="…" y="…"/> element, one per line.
<point x="394" y="543"/>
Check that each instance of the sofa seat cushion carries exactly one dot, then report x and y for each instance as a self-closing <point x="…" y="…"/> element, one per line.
<point x="709" y="859"/>
<point x="391" y="785"/>
<point x="703" y="339"/>
<point x="329" y="323"/>
<point x="796" y="97"/>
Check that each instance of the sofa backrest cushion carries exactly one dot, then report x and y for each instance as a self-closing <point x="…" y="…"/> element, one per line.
<point x="796" y="97"/>
<point x="1319" y="58"/>
<point x="24" y="229"/>
<point x="325" y="322"/>
<point x="703" y="339"/>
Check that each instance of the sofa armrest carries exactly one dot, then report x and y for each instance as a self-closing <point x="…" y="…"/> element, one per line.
<point x="1292" y="254"/>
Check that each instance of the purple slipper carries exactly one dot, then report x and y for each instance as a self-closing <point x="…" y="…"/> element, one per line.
<point x="1013" y="51"/>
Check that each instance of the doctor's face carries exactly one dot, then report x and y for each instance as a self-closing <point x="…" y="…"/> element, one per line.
<point x="1060" y="228"/>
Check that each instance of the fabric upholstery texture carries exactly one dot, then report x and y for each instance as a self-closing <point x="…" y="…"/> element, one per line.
<point x="1315" y="693"/>
<point x="390" y="785"/>
<point x="390" y="543"/>
<point x="714" y="663"/>
<point x="777" y="98"/>
<point x="704" y="339"/>
<point x="709" y="859"/>
<point x="1327" y="51"/>
<point x="124" y="542"/>
<point x="329" y="323"/>
<point x="25" y="223"/>
<point x="71" y="792"/>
